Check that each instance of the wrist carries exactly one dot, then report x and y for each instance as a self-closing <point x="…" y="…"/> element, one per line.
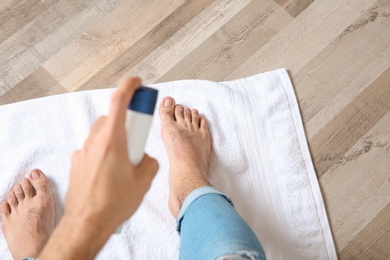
<point x="88" y="226"/>
<point x="84" y="239"/>
<point x="93" y="224"/>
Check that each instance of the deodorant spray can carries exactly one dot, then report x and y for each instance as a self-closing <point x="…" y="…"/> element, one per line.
<point x="139" y="117"/>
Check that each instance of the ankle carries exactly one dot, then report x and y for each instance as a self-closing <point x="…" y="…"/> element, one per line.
<point x="182" y="189"/>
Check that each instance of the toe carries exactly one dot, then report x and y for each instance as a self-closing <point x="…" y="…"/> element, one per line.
<point x="39" y="181"/>
<point x="179" y="112"/>
<point x="11" y="198"/>
<point x="187" y="114"/>
<point x="27" y="188"/>
<point x="18" y="192"/>
<point x="5" y="209"/>
<point x="195" y="117"/>
<point x="203" y="123"/>
<point x="167" y="108"/>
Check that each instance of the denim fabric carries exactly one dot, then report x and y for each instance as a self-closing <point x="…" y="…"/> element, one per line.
<point x="210" y="228"/>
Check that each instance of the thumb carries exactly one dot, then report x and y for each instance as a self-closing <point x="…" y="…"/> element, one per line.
<point x="147" y="170"/>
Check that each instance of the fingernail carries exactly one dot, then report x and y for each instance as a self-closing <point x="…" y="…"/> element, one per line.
<point x="168" y="103"/>
<point x="35" y="175"/>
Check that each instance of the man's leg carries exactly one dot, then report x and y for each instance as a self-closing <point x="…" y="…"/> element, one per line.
<point x="28" y="216"/>
<point x="209" y="226"/>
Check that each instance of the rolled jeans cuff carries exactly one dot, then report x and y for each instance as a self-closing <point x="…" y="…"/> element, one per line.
<point x="195" y="194"/>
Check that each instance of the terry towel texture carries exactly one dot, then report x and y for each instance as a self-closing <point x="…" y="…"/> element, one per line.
<point x="260" y="159"/>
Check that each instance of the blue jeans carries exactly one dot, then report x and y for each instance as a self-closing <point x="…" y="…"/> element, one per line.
<point x="210" y="228"/>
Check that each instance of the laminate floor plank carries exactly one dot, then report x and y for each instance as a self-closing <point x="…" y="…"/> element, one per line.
<point x="351" y="124"/>
<point x="16" y="14"/>
<point x="37" y="84"/>
<point x="232" y="44"/>
<point x="294" y="7"/>
<point x="156" y="67"/>
<point x="136" y="53"/>
<point x="357" y="189"/>
<point x="371" y="242"/>
<point x="106" y="40"/>
<point x="343" y="67"/>
<point x="52" y="30"/>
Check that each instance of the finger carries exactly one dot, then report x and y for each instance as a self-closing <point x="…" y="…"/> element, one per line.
<point x="76" y="158"/>
<point x="88" y="142"/>
<point x="96" y="127"/>
<point x="76" y="163"/>
<point x="147" y="170"/>
<point x="98" y="124"/>
<point x="120" y="101"/>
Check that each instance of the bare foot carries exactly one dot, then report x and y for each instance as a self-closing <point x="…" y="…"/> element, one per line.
<point x="187" y="140"/>
<point x="28" y="216"/>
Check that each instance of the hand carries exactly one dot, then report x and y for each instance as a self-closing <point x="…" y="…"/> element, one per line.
<point x="105" y="189"/>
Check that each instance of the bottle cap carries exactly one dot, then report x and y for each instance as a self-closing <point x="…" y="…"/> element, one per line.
<point x="144" y="100"/>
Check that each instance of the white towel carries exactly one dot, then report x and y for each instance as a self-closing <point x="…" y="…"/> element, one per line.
<point x="260" y="159"/>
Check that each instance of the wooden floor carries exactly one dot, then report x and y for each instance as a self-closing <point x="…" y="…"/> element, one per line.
<point x="337" y="53"/>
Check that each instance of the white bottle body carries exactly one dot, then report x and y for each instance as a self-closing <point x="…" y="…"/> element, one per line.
<point x="137" y="128"/>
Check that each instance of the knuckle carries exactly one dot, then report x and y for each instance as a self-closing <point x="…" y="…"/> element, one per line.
<point x="75" y="155"/>
<point x="117" y="97"/>
<point x="99" y="122"/>
<point x="101" y="119"/>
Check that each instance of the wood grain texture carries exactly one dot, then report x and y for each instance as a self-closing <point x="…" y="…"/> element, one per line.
<point x="336" y="51"/>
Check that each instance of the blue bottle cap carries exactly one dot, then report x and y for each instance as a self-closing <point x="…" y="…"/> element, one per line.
<point x="144" y="100"/>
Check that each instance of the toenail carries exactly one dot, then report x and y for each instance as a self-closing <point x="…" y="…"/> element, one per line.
<point x="35" y="175"/>
<point x="168" y="103"/>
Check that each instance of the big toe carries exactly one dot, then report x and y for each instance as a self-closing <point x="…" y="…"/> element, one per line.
<point x="167" y="110"/>
<point x="39" y="181"/>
